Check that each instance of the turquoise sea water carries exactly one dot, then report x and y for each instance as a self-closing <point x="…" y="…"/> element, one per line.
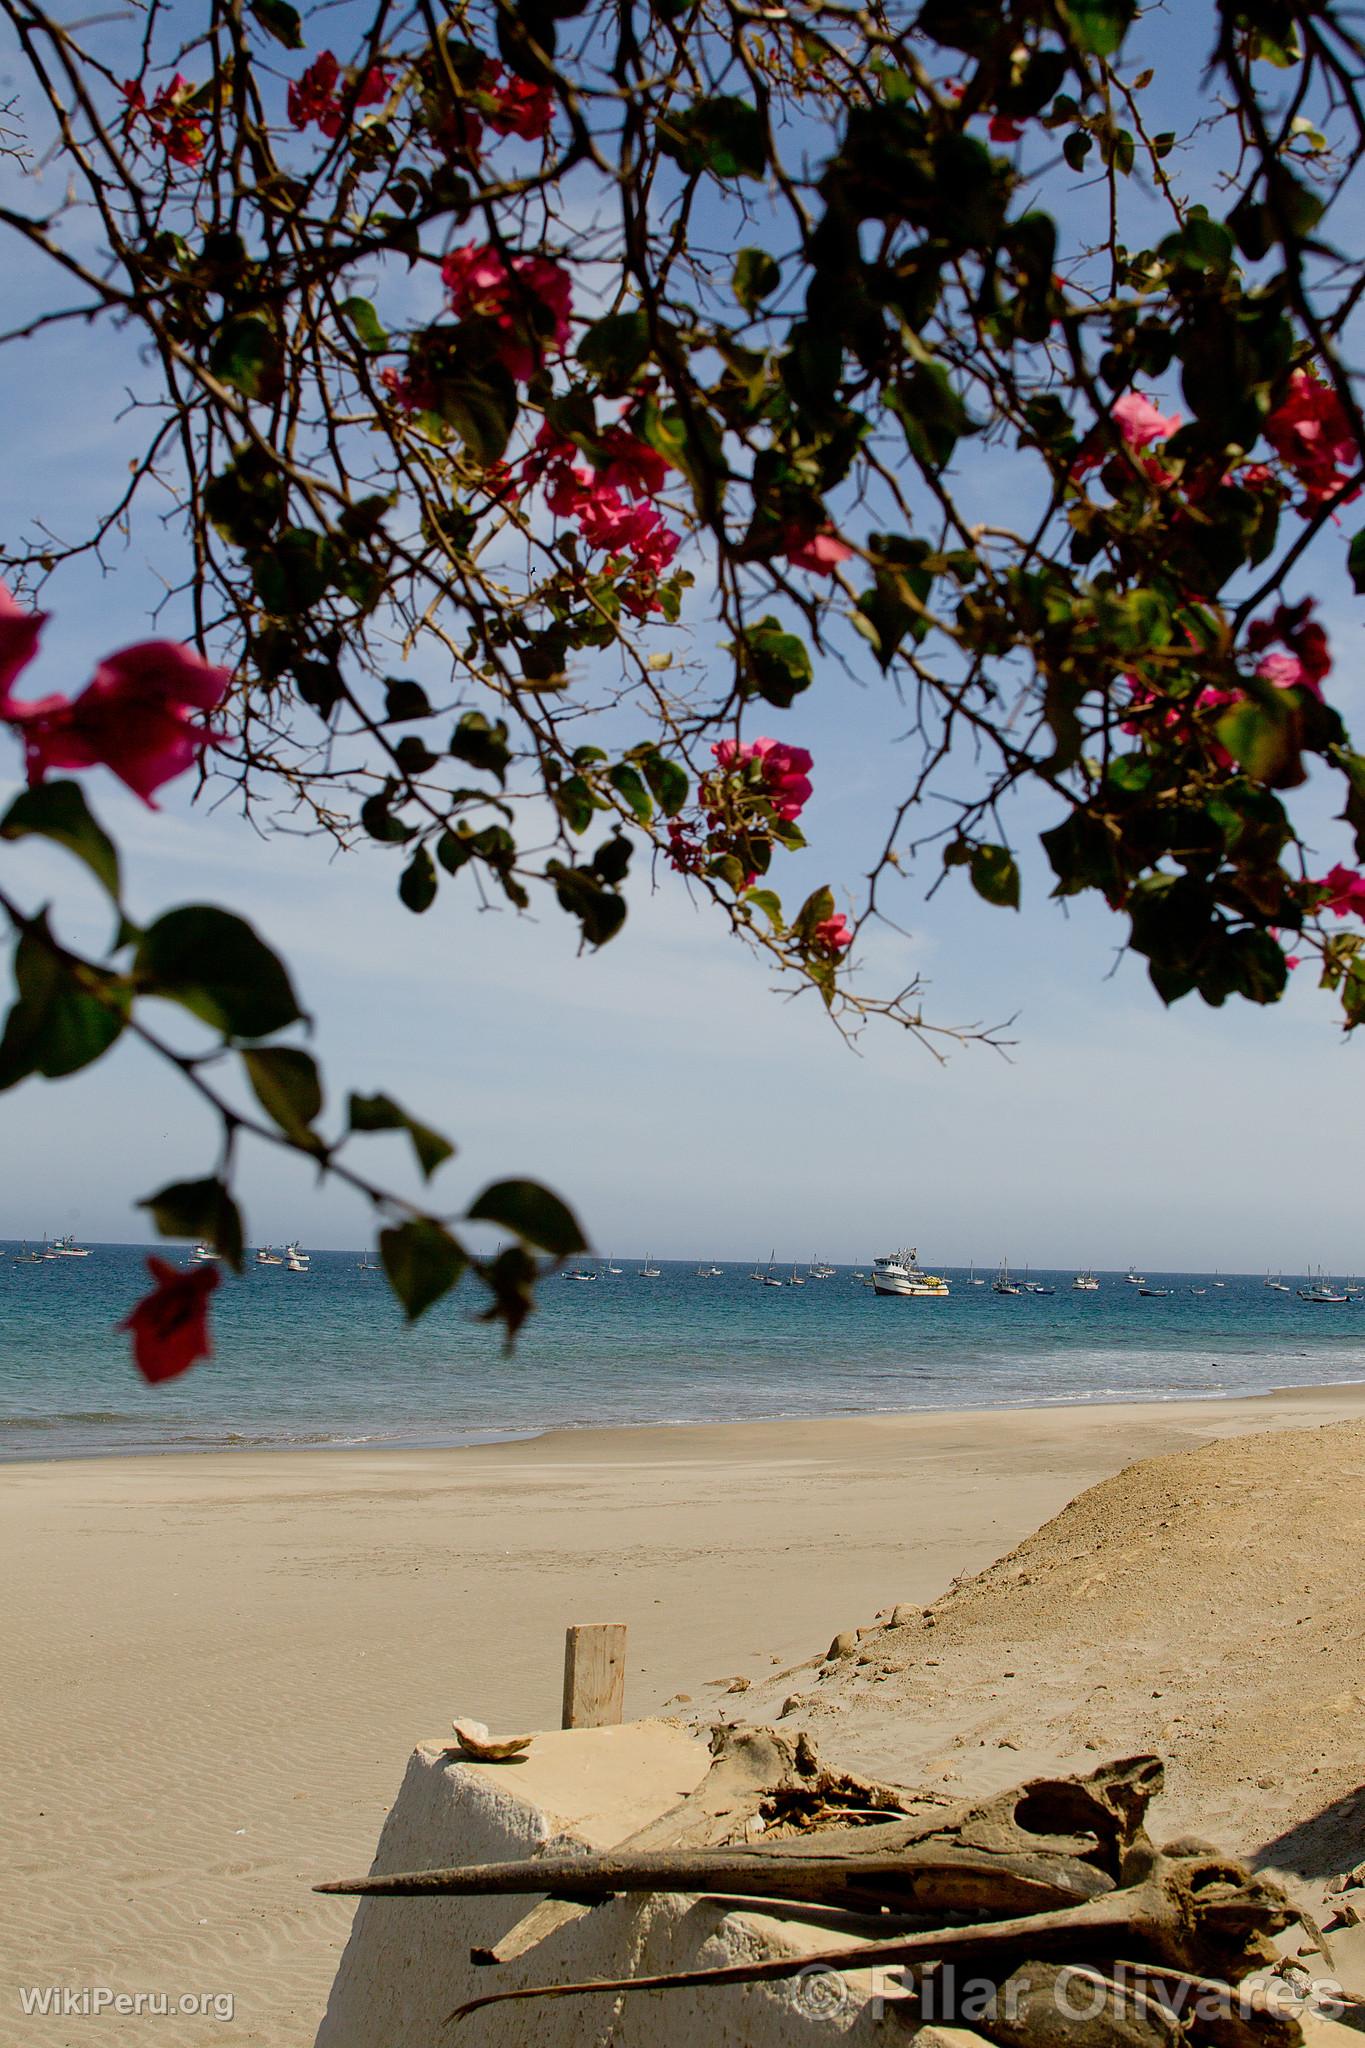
<point x="325" y="1358"/>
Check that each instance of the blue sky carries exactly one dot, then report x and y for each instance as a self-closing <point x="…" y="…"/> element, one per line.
<point x="660" y="1085"/>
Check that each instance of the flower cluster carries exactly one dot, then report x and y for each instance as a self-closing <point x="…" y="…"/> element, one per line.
<point x="529" y="301"/>
<point x="141" y="714"/>
<point x="326" y="96"/>
<point x="1307" y="661"/>
<point x="518" y="108"/>
<point x="1140" y="422"/>
<point x="611" y="504"/>
<point x="779" y="773"/>
<point x="1312" y="436"/>
<point x="171" y="118"/>
<point x="831" y="936"/>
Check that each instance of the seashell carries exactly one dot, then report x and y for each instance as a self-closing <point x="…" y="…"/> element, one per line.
<point x="475" y="1741"/>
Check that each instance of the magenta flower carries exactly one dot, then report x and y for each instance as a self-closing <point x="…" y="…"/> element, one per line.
<point x="784" y="771"/>
<point x="1138" y="420"/>
<point x="1308" y="662"/>
<point x="1312" y="436"/>
<point x="831" y="935"/>
<point x="135" y="717"/>
<point x="1345" y="889"/>
<point x="821" y="552"/>
<point x="530" y="300"/>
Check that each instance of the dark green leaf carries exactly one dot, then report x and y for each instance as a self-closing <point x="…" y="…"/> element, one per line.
<point x="482" y="743"/>
<point x="285" y="1082"/>
<point x="279" y="20"/>
<point x="417" y="884"/>
<point x="246" y="355"/>
<point x="381" y="1113"/>
<point x="200" y="1209"/>
<point x="58" y="811"/>
<point x="1099" y="26"/>
<point x="423" y="1262"/>
<point x="215" y="966"/>
<point x="404" y="700"/>
<point x="756" y="276"/>
<point x="627" y="782"/>
<point x="616" y="347"/>
<point x="1355" y="562"/>
<point x="533" y="1213"/>
<point x="723" y="135"/>
<point x="774" y="664"/>
<point x="995" y="876"/>
<point x="293" y="572"/>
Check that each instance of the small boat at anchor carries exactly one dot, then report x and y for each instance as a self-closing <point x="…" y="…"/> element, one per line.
<point x="900" y="1273"/>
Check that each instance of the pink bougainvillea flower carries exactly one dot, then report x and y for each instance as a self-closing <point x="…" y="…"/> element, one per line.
<point x="784" y="770"/>
<point x="1308" y="662"/>
<point x="632" y="465"/>
<point x="530" y="299"/>
<point x="1345" y="891"/>
<point x="172" y="121"/>
<point x="320" y="93"/>
<point x="1312" y="436"/>
<point x="820" y="552"/>
<point x="520" y="108"/>
<point x="1139" y="421"/>
<point x="831" y="935"/>
<point x="136" y="717"/>
<point x="19" y="635"/>
<point x="170" y="1326"/>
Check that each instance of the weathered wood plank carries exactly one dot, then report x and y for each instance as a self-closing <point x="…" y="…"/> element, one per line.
<point x="595" y="1674"/>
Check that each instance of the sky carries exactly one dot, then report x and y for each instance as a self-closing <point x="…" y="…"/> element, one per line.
<point x="660" y="1085"/>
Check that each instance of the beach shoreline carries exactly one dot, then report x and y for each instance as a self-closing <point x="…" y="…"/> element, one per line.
<point x="222" y="1660"/>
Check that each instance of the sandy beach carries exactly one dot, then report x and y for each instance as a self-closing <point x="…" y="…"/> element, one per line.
<point x="219" y="1663"/>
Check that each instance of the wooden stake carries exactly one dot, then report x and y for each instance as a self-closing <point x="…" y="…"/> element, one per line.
<point x="594" y="1674"/>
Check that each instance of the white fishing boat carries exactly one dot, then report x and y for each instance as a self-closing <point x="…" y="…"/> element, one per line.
<point x="1002" y="1284"/>
<point x="900" y="1273"/>
<point x="610" y="1267"/>
<point x="268" y="1256"/>
<point x="1155" y="1293"/>
<point x="203" y="1255"/>
<point x="67" y="1248"/>
<point x="1277" y="1285"/>
<point x="583" y="1273"/>
<point x="1085" y="1283"/>
<point x="797" y="1279"/>
<point x="972" y="1278"/>
<point x="649" y="1271"/>
<point x="1133" y="1279"/>
<point x="295" y="1261"/>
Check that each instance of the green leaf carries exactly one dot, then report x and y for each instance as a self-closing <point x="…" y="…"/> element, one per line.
<point x="775" y="664"/>
<point x="755" y="277"/>
<point x="285" y="1082"/>
<point x="769" y="902"/>
<point x="1355" y="562"/>
<point x="200" y="1209"/>
<point x="932" y="415"/>
<point x="58" y="811"/>
<point x="216" y="966"/>
<point x="724" y="135"/>
<point x="423" y="1262"/>
<point x="616" y="347"/>
<point x="482" y="743"/>
<point x="995" y="875"/>
<point x="417" y="884"/>
<point x="381" y="1113"/>
<point x="279" y="20"/>
<point x="404" y="699"/>
<point x="533" y="1213"/>
<point x="293" y="572"/>
<point x="627" y="782"/>
<point x="482" y="408"/>
<point x="818" y="906"/>
<point x="1099" y="26"/>
<point x="1262" y="735"/>
<point x="365" y="321"/>
<point x="246" y="355"/>
<point x="666" y="779"/>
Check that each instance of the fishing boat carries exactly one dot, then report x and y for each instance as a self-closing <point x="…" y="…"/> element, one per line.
<point x="1039" y="1287"/>
<point x="610" y="1267"/>
<point x="27" y="1257"/>
<point x="900" y="1273"/>
<point x="1216" y="1280"/>
<point x="972" y="1280"/>
<point x="583" y="1273"/>
<point x="295" y="1261"/>
<point x="649" y="1271"/>
<point x="820" y="1269"/>
<point x="1133" y="1279"/>
<point x="1277" y="1285"/>
<point x="203" y="1255"/>
<point x="797" y="1280"/>
<point x="1199" y="1290"/>
<point x="268" y="1256"/>
<point x="1155" y="1293"/>
<point x="66" y="1248"/>
<point x="1085" y="1283"/>
<point x="365" y="1264"/>
<point x="1322" y="1294"/>
<point x="1002" y="1284"/>
<point x="770" y="1278"/>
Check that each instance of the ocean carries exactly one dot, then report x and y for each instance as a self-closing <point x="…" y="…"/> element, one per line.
<point x="325" y="1358"/>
